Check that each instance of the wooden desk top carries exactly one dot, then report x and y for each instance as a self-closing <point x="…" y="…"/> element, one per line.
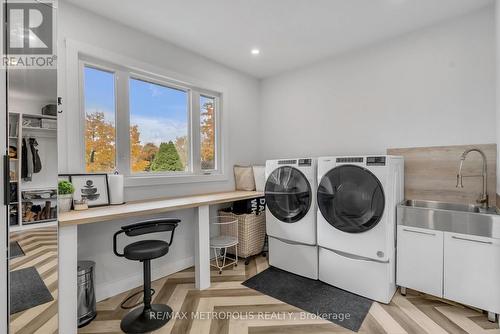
<point x="137" y="208"/>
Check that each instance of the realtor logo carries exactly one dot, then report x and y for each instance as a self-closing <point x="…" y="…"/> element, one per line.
<point x="29" y="35"/>
<point x="29" y="28"/>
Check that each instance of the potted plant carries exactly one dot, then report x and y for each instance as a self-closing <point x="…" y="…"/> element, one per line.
<point x="65" y="195"/>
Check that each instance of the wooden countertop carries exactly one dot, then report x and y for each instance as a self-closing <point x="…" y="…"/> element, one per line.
<point x="136" y="208"/>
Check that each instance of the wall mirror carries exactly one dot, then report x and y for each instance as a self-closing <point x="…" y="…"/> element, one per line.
<point x="32" y="173"/>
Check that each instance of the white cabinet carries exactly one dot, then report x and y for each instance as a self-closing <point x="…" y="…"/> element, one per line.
<point x="472" y="270"/>
<point x="420" y="259"/>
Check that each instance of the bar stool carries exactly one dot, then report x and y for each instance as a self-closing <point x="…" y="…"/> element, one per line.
<point x="148" y="317"/>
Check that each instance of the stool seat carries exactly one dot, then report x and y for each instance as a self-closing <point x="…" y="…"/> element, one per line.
<point x="146" y="250"/>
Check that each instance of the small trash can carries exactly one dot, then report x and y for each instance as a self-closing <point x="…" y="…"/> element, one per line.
<point x="86" y="293"/>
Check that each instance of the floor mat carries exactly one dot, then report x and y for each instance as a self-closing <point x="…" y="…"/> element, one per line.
<point x="336" y="305"/>
<point x="27" y="290"/>
<point x="15" y="250"/>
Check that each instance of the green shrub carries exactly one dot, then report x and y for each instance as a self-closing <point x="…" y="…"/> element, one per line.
<point x="65" y="188"/>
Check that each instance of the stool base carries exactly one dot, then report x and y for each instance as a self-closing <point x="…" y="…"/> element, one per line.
<point x="138" y="322"/>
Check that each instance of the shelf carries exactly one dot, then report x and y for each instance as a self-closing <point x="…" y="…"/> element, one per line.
<point x="39" y="199"/>
<point x="41" y="189"/>
<point x="39" y="116"/>
<point x="34" y="128"/>
<point x="32" y="225"/>
<point x="39" y="221"/>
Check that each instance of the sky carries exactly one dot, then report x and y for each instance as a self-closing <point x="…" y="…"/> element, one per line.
<point x="160" y="112"/>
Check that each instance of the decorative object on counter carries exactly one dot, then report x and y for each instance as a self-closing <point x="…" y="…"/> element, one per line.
<point x="243" y="178"/>
<point x="259" y="175"/>
<point x="115" y="184"/>
<point x="92" y="187"/>
<point x="65" y="190"/>
<point x="49" y="110"/>
<point x="80" y="205"/>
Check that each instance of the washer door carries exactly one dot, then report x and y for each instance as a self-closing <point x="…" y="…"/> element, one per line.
<point x="351" y="198"/>
<point x="288" y="194"/>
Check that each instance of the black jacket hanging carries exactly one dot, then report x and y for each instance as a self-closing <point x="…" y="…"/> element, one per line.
<point x="37" y="163"/>
<point x="24" y="160"/>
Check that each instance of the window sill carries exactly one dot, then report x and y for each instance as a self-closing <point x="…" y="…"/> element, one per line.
<point x="153" y="180"/>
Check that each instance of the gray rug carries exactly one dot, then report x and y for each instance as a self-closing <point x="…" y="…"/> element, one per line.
<point x="338" y="306"/>
<point x="27" y="290"/>
<point x="15" y="250"/>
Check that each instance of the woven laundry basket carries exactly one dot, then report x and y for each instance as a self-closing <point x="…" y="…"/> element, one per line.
<point x="251" y="233"/>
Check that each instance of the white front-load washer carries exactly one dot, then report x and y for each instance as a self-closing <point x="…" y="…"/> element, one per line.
<point x="290" y="192"/>
<point x="357" y="199"/>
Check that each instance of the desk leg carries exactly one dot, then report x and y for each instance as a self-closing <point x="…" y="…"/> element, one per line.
<point x="68" y="263"/>
<point x="202" y="248"/>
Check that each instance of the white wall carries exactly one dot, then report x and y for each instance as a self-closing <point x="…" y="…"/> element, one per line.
<point x="431" y="87"/>
<point x="241" y="107"/>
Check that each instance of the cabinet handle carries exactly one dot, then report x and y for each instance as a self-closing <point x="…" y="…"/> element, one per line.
<point x="419" y="232"/>
<point x="478" y="241"/>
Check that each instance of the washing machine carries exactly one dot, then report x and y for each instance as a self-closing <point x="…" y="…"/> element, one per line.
<point x="357" y="199"/>
<point x="290" y="193"/>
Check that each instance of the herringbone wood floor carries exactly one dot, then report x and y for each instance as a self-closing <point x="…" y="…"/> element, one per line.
<point x="40" y="248"/>
<point x="415" y="313"/>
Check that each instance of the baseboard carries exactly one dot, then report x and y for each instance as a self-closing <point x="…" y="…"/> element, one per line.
<point x="111" y="289"/>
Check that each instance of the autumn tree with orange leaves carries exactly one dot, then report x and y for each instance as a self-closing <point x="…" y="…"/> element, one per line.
<point x="207" y="128"/>
<point x="99" y="144"/>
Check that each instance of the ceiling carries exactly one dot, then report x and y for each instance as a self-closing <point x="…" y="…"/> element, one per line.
<point x="289" y="33"/>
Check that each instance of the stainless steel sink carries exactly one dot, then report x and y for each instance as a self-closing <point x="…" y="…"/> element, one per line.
<point x="442" y="206"/>
<point x="449" y="217"/>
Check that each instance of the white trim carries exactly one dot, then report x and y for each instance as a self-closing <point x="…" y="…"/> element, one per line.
<point x="116" y="287"/>
<point x="143" y="71"/>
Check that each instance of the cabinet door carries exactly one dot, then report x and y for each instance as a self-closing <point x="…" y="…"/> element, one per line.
<point x="472" y="270"/>
<point x="420" y="260"/>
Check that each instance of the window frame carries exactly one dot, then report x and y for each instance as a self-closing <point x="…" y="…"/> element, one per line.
<point x="188" y="90"/>
<point x="105" y="68"/>
<point x="122" y="114"/>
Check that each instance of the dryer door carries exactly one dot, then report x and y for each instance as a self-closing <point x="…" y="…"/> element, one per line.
<point x="288" y="194"/>
<point x="351" y="198"/>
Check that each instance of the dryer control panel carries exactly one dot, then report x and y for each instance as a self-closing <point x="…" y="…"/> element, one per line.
<point x="375" y="161"/>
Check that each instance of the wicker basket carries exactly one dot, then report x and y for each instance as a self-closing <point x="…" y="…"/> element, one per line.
<point x="251" y="233"/>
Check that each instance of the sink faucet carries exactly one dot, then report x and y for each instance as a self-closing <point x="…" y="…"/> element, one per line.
<point x="483" y="199"/>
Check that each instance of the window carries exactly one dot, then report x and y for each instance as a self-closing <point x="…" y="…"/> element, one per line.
<point x="145" y="125"/>
<point x="207" y="132"/>
<point x="158" y="128"/>
<point x="99" y="104"/>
